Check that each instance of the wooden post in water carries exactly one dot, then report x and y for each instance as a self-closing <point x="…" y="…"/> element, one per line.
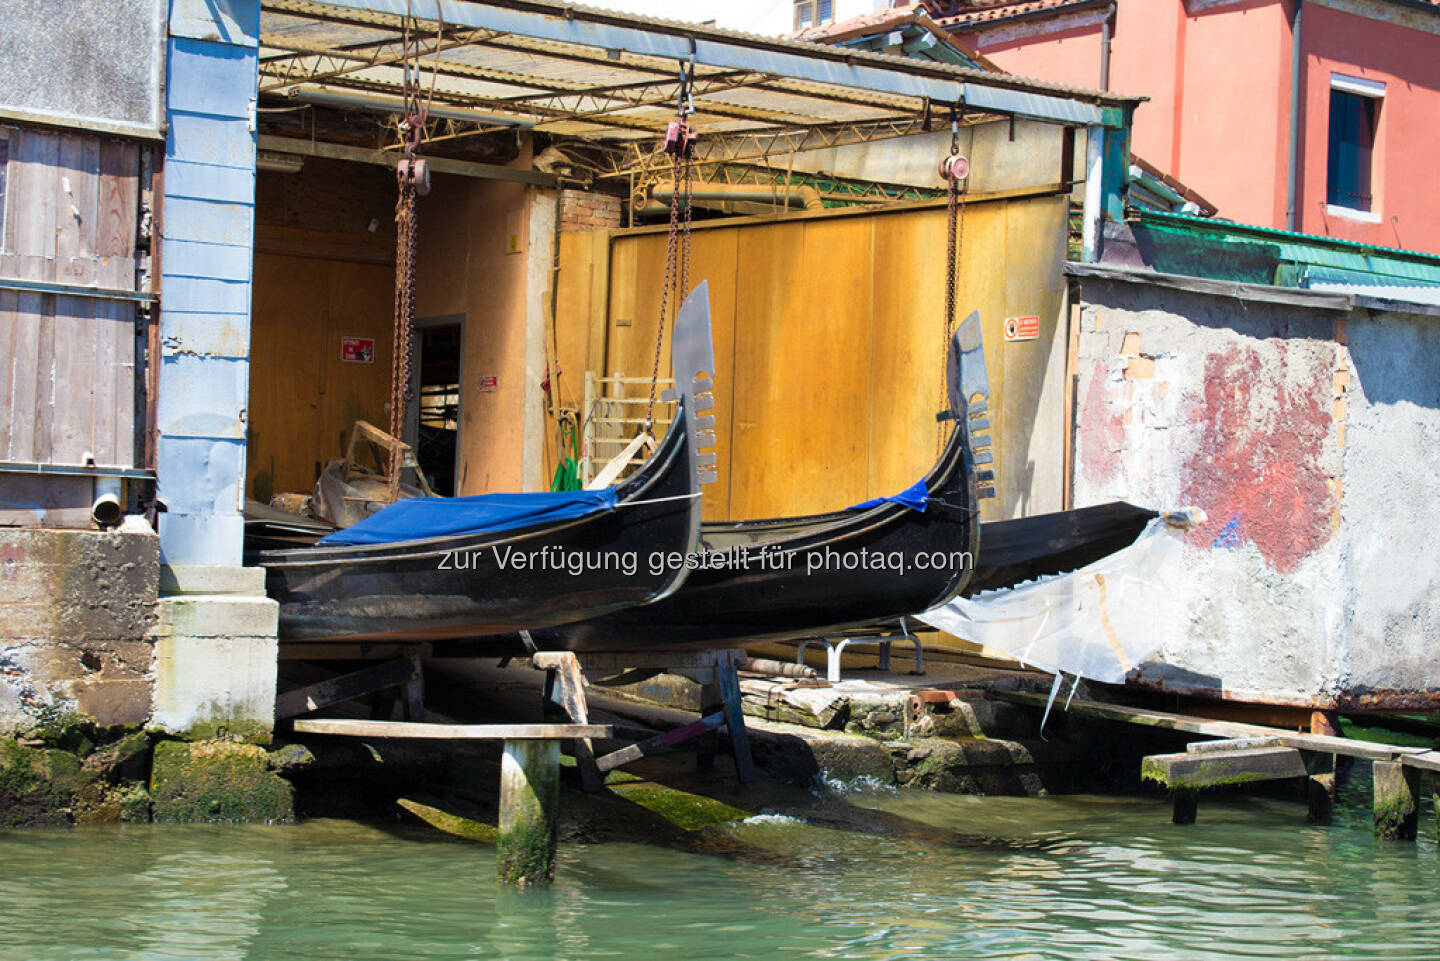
<point x="1186" y="806"/>
<point x="529" y="802"/>
<point x="1397" y="792"/>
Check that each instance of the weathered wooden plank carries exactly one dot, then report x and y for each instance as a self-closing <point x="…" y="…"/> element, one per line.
<point x="1231" y="744"/>
<point x="29" y="318"/>
<point x="333" y="690"/>
<point x="106" y="371"/>
<point x="118" y="204"/>
<point x="660" y="742"/>
<point x="46" y="381"/>
<point x="568" y="689"/>
<point x="72" y="388"/>
<point x="30" y="221"/>
<point x="1207" y="769"/>
<point x="128" y="416"/>
<point x="9" y="320"/>
<point x="729" y="681"/>
<point x="1220" y="729"/>
<point x="1425" y="760"/>
<point x="478" y="732"/>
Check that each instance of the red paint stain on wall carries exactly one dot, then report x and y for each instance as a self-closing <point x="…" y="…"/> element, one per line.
<point x="1102" y="432"/>
<point x="1259" y="460"/>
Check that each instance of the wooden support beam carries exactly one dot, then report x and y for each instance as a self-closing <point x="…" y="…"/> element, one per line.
<point x="529" y="804"/>
<point x="565" y="686"/>
<point x="475" y="732"/>
<point x="1185" y="806"/>
<point x="659" y="743"/>
<point x="734" y="710"/>
<point x="356" y="684"/>
<point x="388" y="158"/>
<point x="1320" y="797"/>
<point x="1397" y="801"/>
<point x="1207" y="769"/>
<point x="415" y="692"/>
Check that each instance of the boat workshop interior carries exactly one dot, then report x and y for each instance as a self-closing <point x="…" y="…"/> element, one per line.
<point x="200" y="298"/>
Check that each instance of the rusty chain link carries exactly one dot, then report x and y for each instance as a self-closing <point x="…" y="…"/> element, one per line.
<point x="954" y="237"/>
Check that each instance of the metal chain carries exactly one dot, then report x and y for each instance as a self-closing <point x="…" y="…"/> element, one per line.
<point x="677" y="268"/>
<point x="954" y="236"/>
<point x="406" y="241"/>
<point x="670" y="279"/>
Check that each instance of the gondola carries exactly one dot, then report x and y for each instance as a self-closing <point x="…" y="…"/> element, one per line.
<point x="784" y="578"/>
<point x="1015" y="551"/>
<point x="521" y="574"/>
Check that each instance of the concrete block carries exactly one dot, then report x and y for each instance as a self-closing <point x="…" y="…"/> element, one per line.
<point x="211" y="579"/>
<point x="215" y="665"/>
<point x="77" y="612"/>
<point x="218" y="615"/>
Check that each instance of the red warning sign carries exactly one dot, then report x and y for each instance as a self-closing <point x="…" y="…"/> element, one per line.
<point x="1022" y="328"/>
<point x="357" y="350"/>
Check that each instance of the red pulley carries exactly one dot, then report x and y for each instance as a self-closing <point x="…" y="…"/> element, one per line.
<point x="954" y="167"/>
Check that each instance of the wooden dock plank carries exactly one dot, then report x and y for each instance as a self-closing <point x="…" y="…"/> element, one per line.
<point x="1205" y="769"/>
<point x="506" y="732"/>
<point x="1221" y="729"/>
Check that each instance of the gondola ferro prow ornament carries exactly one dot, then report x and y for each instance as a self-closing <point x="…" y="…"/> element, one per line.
<point x="969" y="395"/>
<point x="692" y="364"/>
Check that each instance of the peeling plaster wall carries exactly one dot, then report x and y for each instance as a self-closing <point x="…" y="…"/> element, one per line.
<point x="1309" y="580"/>
<point x="1390" y="403"/>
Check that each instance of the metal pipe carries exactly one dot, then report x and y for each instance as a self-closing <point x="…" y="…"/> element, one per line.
<point x="1107" y="32"/>
<point x="1292" y="191"/>
<point x="106" y="510"/>
<point x="789" y="195"/>
<point x="765" y="665"/>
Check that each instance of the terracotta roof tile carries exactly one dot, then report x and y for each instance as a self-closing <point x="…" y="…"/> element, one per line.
<point x="1003" y="9"/>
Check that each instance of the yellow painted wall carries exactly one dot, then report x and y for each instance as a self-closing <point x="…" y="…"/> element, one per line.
<point x="321" y="274"/>
<point x="829" y="342"/>
<point x="467" y="265"/>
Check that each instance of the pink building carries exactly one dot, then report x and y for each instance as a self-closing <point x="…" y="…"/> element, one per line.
<point x="1347" y="133"/>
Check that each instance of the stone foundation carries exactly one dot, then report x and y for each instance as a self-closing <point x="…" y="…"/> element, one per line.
<point x="77" y="615"/>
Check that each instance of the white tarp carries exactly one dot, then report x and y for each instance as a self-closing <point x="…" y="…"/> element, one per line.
<point x="1097" y="622"/>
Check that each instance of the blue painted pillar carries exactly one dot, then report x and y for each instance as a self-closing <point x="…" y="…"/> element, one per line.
<point x="207" y="260"/>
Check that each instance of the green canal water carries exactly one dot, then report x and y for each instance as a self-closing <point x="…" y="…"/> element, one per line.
<point x="962" y="877"/>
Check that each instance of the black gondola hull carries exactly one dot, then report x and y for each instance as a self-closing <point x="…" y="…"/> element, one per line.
<point x="475" y="584"/>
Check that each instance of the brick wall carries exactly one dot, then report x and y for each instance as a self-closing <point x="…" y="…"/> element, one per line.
<point x="585" y="210"/>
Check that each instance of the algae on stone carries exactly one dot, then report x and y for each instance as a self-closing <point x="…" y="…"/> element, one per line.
<point x="37" y="785"/>
<point x="217" y="781"/>
<point x="454" y="824"/>
<point x="690" y="812"/>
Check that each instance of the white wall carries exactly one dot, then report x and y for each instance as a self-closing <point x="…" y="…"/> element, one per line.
<point x="751" y="16"/>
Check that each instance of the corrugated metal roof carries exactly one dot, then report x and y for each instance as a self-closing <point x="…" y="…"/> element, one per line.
<point x="1325" y="259"/>
<point x="583" y="72"/>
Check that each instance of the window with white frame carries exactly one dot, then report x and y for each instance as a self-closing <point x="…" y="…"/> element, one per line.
<point x="813" y="13"/>
<point x="1354" y="120"/>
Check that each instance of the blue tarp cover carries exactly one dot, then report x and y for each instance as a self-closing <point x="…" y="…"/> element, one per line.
<point x="914" y="497"/>
<point x="420" y="517"/>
